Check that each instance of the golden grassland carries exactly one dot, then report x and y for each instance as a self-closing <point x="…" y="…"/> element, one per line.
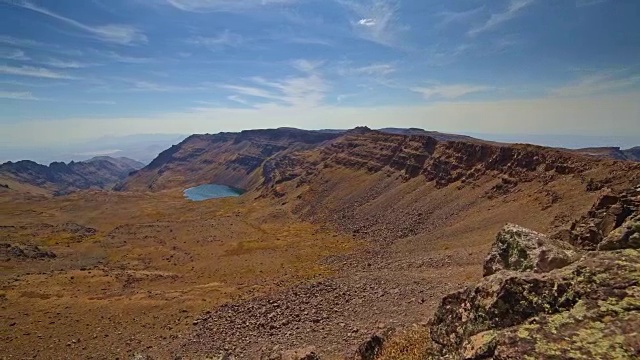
<point x="155" y="263"/>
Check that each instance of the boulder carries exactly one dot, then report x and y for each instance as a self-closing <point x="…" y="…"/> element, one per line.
<point x="520" y="249"/>
<point x="371" y="348"/>
<point x="626" y="236"/>
<point x="587" y="310"/>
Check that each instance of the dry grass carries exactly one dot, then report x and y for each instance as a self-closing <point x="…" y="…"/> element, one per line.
<point x="156" y="262"/>
<point x="412" y="344"/>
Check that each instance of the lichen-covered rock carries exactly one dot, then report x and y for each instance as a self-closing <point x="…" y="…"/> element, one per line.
<point x="371" y="348"/>
<point x="626" y="236"/>
<point x="520" y="249"/>
<point x="588" y="310"/>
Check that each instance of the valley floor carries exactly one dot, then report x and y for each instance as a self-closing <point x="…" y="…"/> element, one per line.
<point x="152" y="273"/>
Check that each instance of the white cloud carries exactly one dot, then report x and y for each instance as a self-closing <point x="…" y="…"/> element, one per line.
<point x="116" y="33"/>
<point x="299" y="92"/>
<point x="375" y="20"/>
<point x="223" y="39"/>
<point x="512" y="10"/>
<point x="449" y="92"/>
<point x="33" y="72"/>
<point x="224" y="5"/>
<point x="367" y="22"/>
<point x="17" y="95"/>
<point x="598" y="83"/>
<point x="13" y="54"/>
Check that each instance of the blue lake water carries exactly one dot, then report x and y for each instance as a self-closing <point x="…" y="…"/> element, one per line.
<point x="211" y="191"/>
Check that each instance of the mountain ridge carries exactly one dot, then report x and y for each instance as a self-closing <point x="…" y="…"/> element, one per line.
<point x="61" y="178"/>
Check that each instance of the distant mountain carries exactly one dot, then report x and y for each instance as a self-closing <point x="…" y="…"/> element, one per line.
<point x="434" y="134"/>
<point x="142" y="147"/>
<point x="614" y="153"/>
<point x="60" y="178"/>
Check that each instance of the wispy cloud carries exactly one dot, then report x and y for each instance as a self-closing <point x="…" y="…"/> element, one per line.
<point x="450" y="17"/>
<point x="375" y="20"/>
<point x="115" y="33"/>
<point x="513" y="9"/>
<point x="17" y="96"/>
<point x="32" y="44"/>
<point x="305" y="65"/>
<point x="13" y="54"/>
<point x="599" y="83"/>
<point x="224" y="5"/>
<point x="33" y="72"/>
<point x="369" y="70"/>
<point x="140" y="85"/>
<point x="224" y="39"/>
<point x="65" y="64"/>
<point x="113" y="56"/>
<point x="583" y="3"/>
<point x="298" y="91"/>
<point x="449" y="92"/>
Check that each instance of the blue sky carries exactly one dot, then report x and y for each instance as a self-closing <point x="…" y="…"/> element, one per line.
<point x="74" y="70"/>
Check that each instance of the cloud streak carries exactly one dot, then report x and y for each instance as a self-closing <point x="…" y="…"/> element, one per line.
<point x="449" y="92"/>
<point x="224" y="5"/>
<point x="598" y="83"/>
<point x="17" y="96"/>
<point x="115" y="33"/>
<point x="224" y="39"/>
<point x="13" y="54"/>
<point x="31" y="71"/>
<point x="306" y="91"/>
<point x="513" y="9"/>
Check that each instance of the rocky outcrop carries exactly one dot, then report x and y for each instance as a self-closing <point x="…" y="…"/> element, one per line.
<point x="609" y="212"/>
<point x="520" y="249"/>
<point x="589" y="309"/>
<point x="24" y="252"/>
<point x="626" y="236"/>
<point x="61" y="178"/>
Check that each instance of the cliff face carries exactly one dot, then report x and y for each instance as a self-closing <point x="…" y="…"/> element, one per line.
<point x="60" y="178"/>
<point x="226" y="158"/>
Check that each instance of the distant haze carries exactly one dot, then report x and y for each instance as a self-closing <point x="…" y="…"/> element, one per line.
<point x="145" y="147"/>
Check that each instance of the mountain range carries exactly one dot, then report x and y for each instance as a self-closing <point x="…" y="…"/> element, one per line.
<point x="60" y="178"/>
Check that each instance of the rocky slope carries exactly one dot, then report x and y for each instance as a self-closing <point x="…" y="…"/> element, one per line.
<point x="425" y="208"/>
<point x="225" y="158"/>
<point x="60" y="178"/>
<point x="584" y="307"/>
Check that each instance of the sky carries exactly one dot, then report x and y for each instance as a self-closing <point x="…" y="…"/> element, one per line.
<point x="74" y="70"/>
